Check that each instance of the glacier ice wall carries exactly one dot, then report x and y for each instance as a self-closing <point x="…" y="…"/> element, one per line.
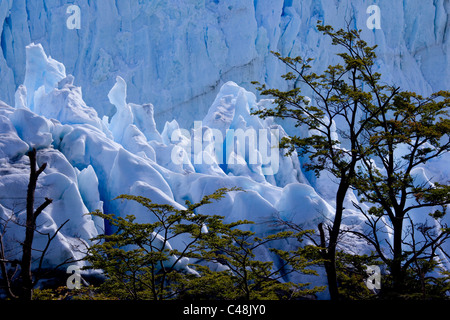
<point x="178" y="53"/>
<point x="91" y="161"/>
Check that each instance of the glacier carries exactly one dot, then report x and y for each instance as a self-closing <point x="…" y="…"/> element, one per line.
<point x="133" y="103"/>
<point x="177" y="54"/>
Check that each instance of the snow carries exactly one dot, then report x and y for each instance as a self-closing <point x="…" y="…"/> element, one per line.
<point x="31" y="128"/>
<point x="11" y="146"/>
<point x="87" y="112"/>
<point x="300" y="204"/>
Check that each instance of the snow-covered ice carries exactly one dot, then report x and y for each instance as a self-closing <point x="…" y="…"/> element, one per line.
<point x="91" y="161"/>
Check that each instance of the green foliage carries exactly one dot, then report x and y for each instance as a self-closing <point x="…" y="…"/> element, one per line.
<point x="235" y="249"/>
<point x="387" y="133"/>
<point x="352" y="274"/>
<point x="208" y="284"/>
<point x="425" y="280"/>
<point x="63" y="293"/>
<point x="348" y="93"/>
<point x="138" y="262"/>
<point x="137" y="259"/>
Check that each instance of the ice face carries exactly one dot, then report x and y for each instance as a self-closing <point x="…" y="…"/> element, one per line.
<point x="90" y="162"/>
<point x="178" y="54"/>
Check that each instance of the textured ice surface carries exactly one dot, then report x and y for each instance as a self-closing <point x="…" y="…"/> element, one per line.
<point x="92" y="161"/>
<point x="177" y="54"/>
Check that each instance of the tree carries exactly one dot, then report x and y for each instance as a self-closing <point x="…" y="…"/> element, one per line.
<point x="349" y="94"/>
<point x="235" y="249"/>
<point x="137" y="260"/>
<point x="139" y="263"/>
<point x="32" y="216"/>
<point x="408" y="133"/>
<point x="352" y="275"/>
<point x="27" y="280"/>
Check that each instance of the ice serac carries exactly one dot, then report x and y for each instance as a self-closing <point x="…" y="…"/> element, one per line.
<point x="42" y="73"/>
<point x="177" y="54"/>
<point x="123" y="116"/>
<point x="250" y="144"/>
<point x="90" y="162"/>
<point x="57" y="182"/>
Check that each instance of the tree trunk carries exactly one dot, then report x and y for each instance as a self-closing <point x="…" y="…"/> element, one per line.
<point x="26" y="274"/>
<point x="27" y="278"/>
<point x="330" y="252"/>
<point x="396" y="268"/>
<point x="330" y="268"/>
